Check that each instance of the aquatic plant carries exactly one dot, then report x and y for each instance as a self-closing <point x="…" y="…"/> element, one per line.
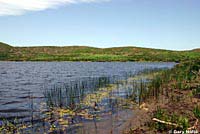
<point x="72" y="93"/>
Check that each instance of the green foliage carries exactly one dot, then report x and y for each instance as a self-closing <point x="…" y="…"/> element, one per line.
<point x="160" y="114"/>
<point x="196" y="111"/>
<point x="3" y="56"/>
<point x="180" y="76"/>
<point x="181" y="121"/>
<point x="196" y="91"/>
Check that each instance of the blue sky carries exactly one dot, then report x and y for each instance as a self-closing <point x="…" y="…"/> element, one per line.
<point x="165" y="24"/>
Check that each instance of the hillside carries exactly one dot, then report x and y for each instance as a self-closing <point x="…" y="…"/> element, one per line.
<point x="83" y="53"/>
<point x="4" y="46"/>
<point x="196" y="50"/>
<point x="4" y="51"/>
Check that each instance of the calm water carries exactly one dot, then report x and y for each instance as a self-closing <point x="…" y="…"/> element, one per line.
<point x="20" y="81"/>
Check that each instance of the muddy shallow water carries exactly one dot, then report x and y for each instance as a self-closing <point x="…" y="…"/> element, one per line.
<point x="28" y="90"/>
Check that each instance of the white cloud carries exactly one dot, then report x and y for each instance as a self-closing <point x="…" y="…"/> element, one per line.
<point x="19" y="7"/>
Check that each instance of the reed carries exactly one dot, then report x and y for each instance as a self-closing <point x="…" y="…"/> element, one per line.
<point x="180" y="75"/>
<point x="72" y="93"/>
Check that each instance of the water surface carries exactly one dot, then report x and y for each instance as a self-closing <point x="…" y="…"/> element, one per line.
<point x="23" y="84"/>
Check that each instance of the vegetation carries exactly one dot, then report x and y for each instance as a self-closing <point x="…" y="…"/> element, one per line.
<point x="176" y="98"/>
<point x="196" y="112"/>
<point x="4" y="51"/>
<point x="172" y="95"/>
<point x="181" y="121"/>
<point x="83" y="53"/>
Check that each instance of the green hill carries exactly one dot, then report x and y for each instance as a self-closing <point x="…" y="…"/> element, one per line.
<point x="4" y="46"/>
<point x="196" y="50"/>
<point x="4" y="51"/>
<point x="84" y="53"/>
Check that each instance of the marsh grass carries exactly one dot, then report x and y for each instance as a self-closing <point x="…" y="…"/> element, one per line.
<point x="180" y="78"/>
<point x="71" y="94"/>
<point x="196" y="111"/>
<point x="184" y="76"/>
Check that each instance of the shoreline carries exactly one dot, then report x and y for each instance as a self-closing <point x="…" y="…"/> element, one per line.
<point x="171" y="102"/>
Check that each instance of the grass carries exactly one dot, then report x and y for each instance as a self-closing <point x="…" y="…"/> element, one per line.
<point x="196" y="111"/>
<point x="180" y="77"/>
<point x="83" y="53"/>
<point x="181" y="121"/>
<point x="173" y="96"/>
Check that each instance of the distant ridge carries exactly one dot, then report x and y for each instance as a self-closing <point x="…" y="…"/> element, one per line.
<point x="85" y="53"/>
<point x="4" y="45"/>
<point x="196" y="50"/>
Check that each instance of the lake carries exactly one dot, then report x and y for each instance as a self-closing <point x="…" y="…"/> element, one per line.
<point x="28" y="90"/>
